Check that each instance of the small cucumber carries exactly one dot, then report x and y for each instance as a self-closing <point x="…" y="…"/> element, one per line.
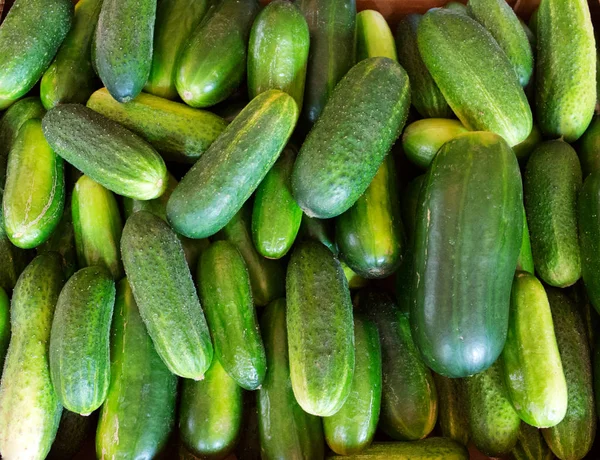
<point x="452" y="413"/>
<point x="589" y="236"/>
<point x="321" y="230"/>
<point x="588" y="148"/>
<point x="4" y="326"/>
<point x="62" y="241"/>
<point x="373" y="36"/>
<point x="426" y="449"/>
<point x="531" y="445"/>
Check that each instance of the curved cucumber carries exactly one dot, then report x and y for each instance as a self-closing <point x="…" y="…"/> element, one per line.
<point x="589" y="236"/>
<point x="588" y="148"/>
<point x="62" y="241"/>
<point x="373" y="36"/>
<point x="531" y="445"/>
<point x="4" y="326"/>
<point x="452" y="413"/>
<point x="426" y="449"/>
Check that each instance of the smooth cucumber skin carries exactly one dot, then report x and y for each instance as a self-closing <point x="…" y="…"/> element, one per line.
<point x="285" y="430"/>
<point x="425" y="449"/>
<point x="97" y="225"/>
<point x="533" y="370"/>
<point x="123" y="46"/>
<point x="139" y="381"/>
<point x="180" y="133"/>
<point x="278" y="51"/>
<point x="226" y="175"/>
<point x="409" y="205"/>
<point x="320" y="329"/>
<point x="34" y="193"/>
<point x="71" y="78"/>
<point x="459" y="311"/>
<point x="362" y="119"/>
<point x="573" y="437"/>
<point x="474" y="75"/>
<point x="565" y="88"/>
<point x="29" y="407"/>
<point x="164" y="291"/>
<point x="588" y="148"/>
<point x="276" y="217"/>
<point x="62" y="241"/>
<point x="589" y="236"/>
<point x="452" y="413"/>
<point x="4" y="326"/>
<point x="30" y="35"/>
<point x="531" y="445"/>
<point x="552" y="182"/>
<point x="210" y="414"/>
<point x="105" y="151"/>
<point x="373" y="36"/>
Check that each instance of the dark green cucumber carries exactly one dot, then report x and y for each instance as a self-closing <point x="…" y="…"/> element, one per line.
<point x="321" y="230"/>
<point x="71" y="77"/>
<point x="180" y="133"/>
<point x="73" y="431"/>
<point x="469" y="225"/>
<point x="531" y="445"/>
<point x="474" y="75"/>
<point x="426" y="449"/>
<point x="588" y="148"/>
<point x="285" y="430"/>
<point x="363" y="118"/>
<point x="230" y="170"/>
<point x="373" y="36"/>
<point x="97" y="225"/>
<point x="34" y="194"/>
<point x="210" y="415"/>
<point x="589" y="236"/>
<point x="123" y="46"/>
<point x="278" y="51"/>
<point x="565" y="88"/>
<point x="105" y="151"/>
<point x="551" y="182"/>
<point x="4" y="326"/>
<point x="29" y="408"/>
<point x="164" y="291"/>
<point x="590" y="316"/>
<point x="525" y="260"/>
<point x="452" y="413"/>
<point x="30" y="35"/>
<point x="62" y="241"/>
<point x="410" y="204"/>
<point x="573" y="437"/>
<point x="139" y="380"/>
<point x="320" y="329"/>
<point x="533" y="21"/>
<point x="525" y="148"/>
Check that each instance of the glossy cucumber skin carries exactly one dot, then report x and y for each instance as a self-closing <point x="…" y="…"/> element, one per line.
<point x="320" y="329"/>
<point x="62" y="241"/>
<point x="531" y="445"/>
<point x="138" y="380"/>
<point x="4" y="326"/>
<point x="285" y="430"/>
<point x="373" y="36"/>
<point x="30" y="35"/>
<point x="425" y="449"/>
<point x="589" y="235"/>
<point x="588" y="148"/>
<point x="29" y="407"/>
<point x="320" y="230"/>
<point x="452" y="413"/>
<point x="164" y="291"/>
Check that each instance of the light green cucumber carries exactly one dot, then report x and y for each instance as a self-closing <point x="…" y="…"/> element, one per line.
<point x="525" y="260"/>
<point x="373" y="36"/>
<point x="452" y="413"/>
<point x="426" y="449"/>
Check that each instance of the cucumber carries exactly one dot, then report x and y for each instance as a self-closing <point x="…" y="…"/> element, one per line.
<point x="73" y="430"/>
<point x="352" y="428"/>
<point x="139" y="411"/>
<point x="320" y="230"/>
<point x="588" y="148"/>
<point x="467" y="240"/>
<point x="534" y="374"/>
<point x="525" y="260"/>
<point x="105" y="151"/>
<point x="4" y="326"/>
<point x="354" y="281"/>
<point x="71" y="77"/>
<point x="596" y="371"/>
<point x="373" y="36"/>
<point x="573" y="437"/>
<point x="14" y="259"/>
<point x="361" y="121"/>
<point x="332" y="28"/>
<point x="212" y="63"/>
<point x="533" y="21"/>
<point x="175" y="21"/>
<point x="123" y="46"/>
<point x="34" y="195"/>
<point x="426" y="97"/>
<point x="177" y="131"/>
<point x="219" y="183"/>
<point x="565" y="91"/>
<point x="474" y="75"/>
<point x="278" y="51"/>
<point x="285" y="430"/>
<point x="531" y="445"/>
<point x="163" y="288"/>
<point x="456" y="7"/>
<point x="97" y="225"/>
<point x="589" y="235"/>
<point x="320" y="329"/>
<point x="29" y="408"/>
<point x="525" y="148"/>
<point x="551" y="182"/>
<point x="426" y="449"/>
<point x="410" y="203"/>
<point x="452" y="415"/>
<point x="62" y="241"/>
<point x="210" y="415"/>
<point x="30" y="35"/>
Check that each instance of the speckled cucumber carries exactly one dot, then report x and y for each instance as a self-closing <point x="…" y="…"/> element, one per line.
<point x="426" y="449"/>
<point x="531" y="445"/>
<point x="452" y="412"/>
<point x="589" y="236"/>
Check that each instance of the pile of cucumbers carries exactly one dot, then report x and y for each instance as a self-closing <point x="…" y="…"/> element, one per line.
<point x="284" y="232"/>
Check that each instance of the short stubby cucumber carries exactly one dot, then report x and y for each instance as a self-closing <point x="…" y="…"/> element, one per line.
<point x="14" y="259"/>
<point x="589" y="236"/>
<point x="373" y="36"/>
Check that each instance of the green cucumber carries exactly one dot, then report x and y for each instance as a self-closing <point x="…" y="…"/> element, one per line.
<point x="531" y="445"/>
<point x="355" y="281"/>
<point x="352" y="428"/>
<point x="525" y="148"/>
<point x="14" y="259"/>
<point x="426" y="449"/>
<point x="410" y="203"/>
<point x="474" y="75"/>
<point x="525" y="260"/>
<point x="566" y="68"/>
<point x="321" y="230"/>
<point x="573" y="437"/>
<point x="97" y="225"/>
<point x="452" y="414"/>
<point x="105" y="151"/>
<point x="589" y="236"/>
<point x="533" y="21"/>
<point x="219" y="183"/>
<point x="34" y="195"/>
<point x="62" y="241"/>
<point x="531" y="37"/>
<point x="71" y="77"/>
<point x="278" y="51"/>
<point x="4" y="326"/>
<point x="285" y="430"/>
<point x="29" y="407"/>
<point x="469" y="225"/>
<point x="363" y="118"/>
<point x="212" y="63"/>
<point x="139" y="411"/>
<point x="551" y="182"/>
<point x="73" y="430"/>
<point x="373" y="36"/>
<point x="588" y="148"/>
<point x="123" y="46"/>
<point x="591" y="320"/>
<point x="320" y="329"/>
<point x="163" y="288"/>
<point x="180" y="133"/>
<point x="30" y="35"/>
<point x="457" y="7"/>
